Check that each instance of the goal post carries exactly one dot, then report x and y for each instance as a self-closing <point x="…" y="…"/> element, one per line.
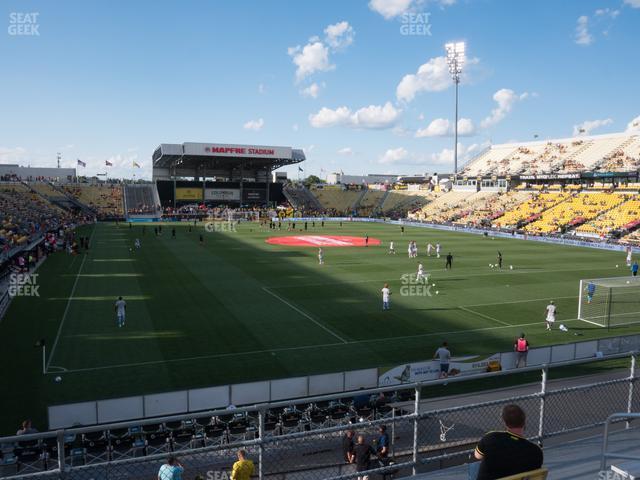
<point x="609" y="302"/>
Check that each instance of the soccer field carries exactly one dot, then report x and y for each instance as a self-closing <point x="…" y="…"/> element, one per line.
<point x="237" y="309"/>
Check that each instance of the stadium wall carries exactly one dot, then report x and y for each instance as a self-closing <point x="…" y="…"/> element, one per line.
<point x="268" y="391"/>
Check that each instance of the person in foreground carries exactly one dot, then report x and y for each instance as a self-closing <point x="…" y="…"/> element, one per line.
<point x="243" y="468"/>
<point x="172" y="470"/>
<point x="507" y="452"/>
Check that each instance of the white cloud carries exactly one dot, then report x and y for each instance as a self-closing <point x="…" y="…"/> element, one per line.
<point x="339" y="35"/>
<point x="390" y="8"/>
<point x="371" y="117"/>
<point x="634" y="125"/>
<point x="432" y="76"/>
<point x="394" y="155"/>
<point x="441" y="127"/>
<point x="437" y="128"/>
<point x="255" y="125"/>
<point x="421" y="117"/>
<point x="345" y="151"/>
<point x="261" y="88"/>
<point x="505" y="98"/>
<point x="13" y="154"/>
<point x="588" y="126"/>
<point x="582" y="36"/>
<point x="607" y="12"/>
<point x="466" y="127"/>
<point x="312" y="91"/>
<point x="632" y="3"/>
<point x="295" y="127"/>
<point x="313" y="57"/>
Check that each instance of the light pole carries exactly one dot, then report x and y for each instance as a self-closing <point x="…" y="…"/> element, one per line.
<point x="455" y="60"/>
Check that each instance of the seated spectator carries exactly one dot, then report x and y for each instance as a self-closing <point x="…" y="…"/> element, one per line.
<point x="362" y="400"/>
<point x="508" y="452"/>
<point x="26" y="428"/>
<point x="172" y="470"/>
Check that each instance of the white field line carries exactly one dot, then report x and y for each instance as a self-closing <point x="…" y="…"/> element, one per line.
<point x="465" y="309"/>
<point x="326" y="329"/>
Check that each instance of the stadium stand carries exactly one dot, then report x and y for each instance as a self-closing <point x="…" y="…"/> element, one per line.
<point x="105" y="199"/>
<point x="615" y="152"/>
<point x="336" y="199"/>
<point x="142" y="200"/>
<point x="530" y="210"/>
<point x="301" y="198"/>
<point x="625" y="216"/>
<point x="486" y="210"/>
<point x="574" y="211"/>
<point x="441" y="203"/>
<point x="370" y="203"/>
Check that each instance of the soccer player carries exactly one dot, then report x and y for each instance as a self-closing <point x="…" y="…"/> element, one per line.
<point x="173" y="232"/>
<point x="201" y="239"/>
<point x="366" y="240"/>
<point x="438" y="250"/>
<point x="449" y="264"/>
<point x="392" y="248"/>
<point x="591" y="289"/>
<point x="499" y="259"/>
<point x="320" y="257"/>
<point x="551" y="315"/>
<point x="410" y="250"/>
<point x="137" y="243"/>
<point x="402" y="230"/>
<point x="420" y="276"/>
<point x="120" y="308"/>
<point x="634" y="269"/>
<point x="429" y="248"/>
<point x="386" y="293"/>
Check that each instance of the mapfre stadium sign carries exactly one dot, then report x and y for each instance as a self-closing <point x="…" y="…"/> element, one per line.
<point x="246" y="151"/>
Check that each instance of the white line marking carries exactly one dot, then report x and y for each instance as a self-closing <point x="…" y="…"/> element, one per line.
<point x="484" y="316"/>
<point x="521" y="301"/>
<point x="326" y="329"/>
<point x="307" y="347"/>
<point x="66" y="310"/>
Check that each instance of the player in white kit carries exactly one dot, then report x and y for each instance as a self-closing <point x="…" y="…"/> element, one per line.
<point x="629" y="254"/>
<point x="429" y="248"/>
<point x="320" y="257"/>
<point x="420" y="276"/>
<point x="551" y="315"/>
<point x="392" y="248"/>
<point x="120" y="308"/>
<point x="385" y="296"/>
<point x="438" y="250"/>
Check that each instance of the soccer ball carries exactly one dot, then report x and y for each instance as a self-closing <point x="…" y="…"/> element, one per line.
<point x="58" y="379"/>
<point x="510" y="267"/>
<point x="628" y="281"/>
<point x="617" y="266"/>
<point x="433" y="284"/>
<point x="490" y="265"/>
<point x="438" y="293"/>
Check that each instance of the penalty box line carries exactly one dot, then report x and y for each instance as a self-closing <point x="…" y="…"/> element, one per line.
<point x="302" y="348"/>
<point x="304" y="314"/>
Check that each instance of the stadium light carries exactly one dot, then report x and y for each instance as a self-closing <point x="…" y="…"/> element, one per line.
<point x="455" y="60"/>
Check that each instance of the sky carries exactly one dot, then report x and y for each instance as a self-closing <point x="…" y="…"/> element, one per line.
<point x="362" y="86"/>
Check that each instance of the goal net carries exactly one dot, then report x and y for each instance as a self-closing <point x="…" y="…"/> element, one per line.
<point x="610" y="302"/>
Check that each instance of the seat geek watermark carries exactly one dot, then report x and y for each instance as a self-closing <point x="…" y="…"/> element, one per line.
<point x="221" y="226"/>
<point x="413" y="285"/>
<point x="24" y="285"/>
<point x="23" y="24"/>
<point x="415" y="24"/>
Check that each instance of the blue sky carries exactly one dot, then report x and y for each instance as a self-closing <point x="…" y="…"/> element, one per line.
<point x="111" y="80"/>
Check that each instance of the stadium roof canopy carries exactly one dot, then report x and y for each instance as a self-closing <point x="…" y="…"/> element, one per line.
<point x="217" y="155"/>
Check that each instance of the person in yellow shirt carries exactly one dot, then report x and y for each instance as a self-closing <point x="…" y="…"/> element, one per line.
<point x="243" y="468"/>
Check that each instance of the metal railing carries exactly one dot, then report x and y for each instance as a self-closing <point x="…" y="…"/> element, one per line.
<point x="606" y="454"/>
<point x="310" y="448"/>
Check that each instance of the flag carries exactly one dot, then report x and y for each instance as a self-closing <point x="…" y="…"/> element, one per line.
<point x="300" y="169"/>
<point x="136" y="165"/>
<point x="81" y="163"/>
<point x="108" y="163"/>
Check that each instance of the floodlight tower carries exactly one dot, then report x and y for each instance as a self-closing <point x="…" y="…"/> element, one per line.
<point x="455" y="60"/>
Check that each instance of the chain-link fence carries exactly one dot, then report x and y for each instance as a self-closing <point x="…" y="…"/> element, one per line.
<point x="309" y="441"/>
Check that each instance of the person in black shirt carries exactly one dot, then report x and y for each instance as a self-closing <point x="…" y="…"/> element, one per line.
<point x="173" y="232"/>
<point x="362" y="457"/>
<point x="449" y="264"/>
<point x="347" y="446"/>
<point x="507" y="453"/>
<point x="499" y="259"/>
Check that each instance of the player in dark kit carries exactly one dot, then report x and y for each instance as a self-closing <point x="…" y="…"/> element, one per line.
<point x="366" y="240"/>
<point x="449" y="263"/>
<point x="499" y="259"/>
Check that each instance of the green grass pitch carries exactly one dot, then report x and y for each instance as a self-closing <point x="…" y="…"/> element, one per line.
<point x="236" y="309"/>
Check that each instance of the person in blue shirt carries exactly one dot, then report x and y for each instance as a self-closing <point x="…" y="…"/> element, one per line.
<point x="634" y="269"/>
<point x="591" y="289"/>
<point x="382" y="445"/>
<point x="172" y="470"/>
